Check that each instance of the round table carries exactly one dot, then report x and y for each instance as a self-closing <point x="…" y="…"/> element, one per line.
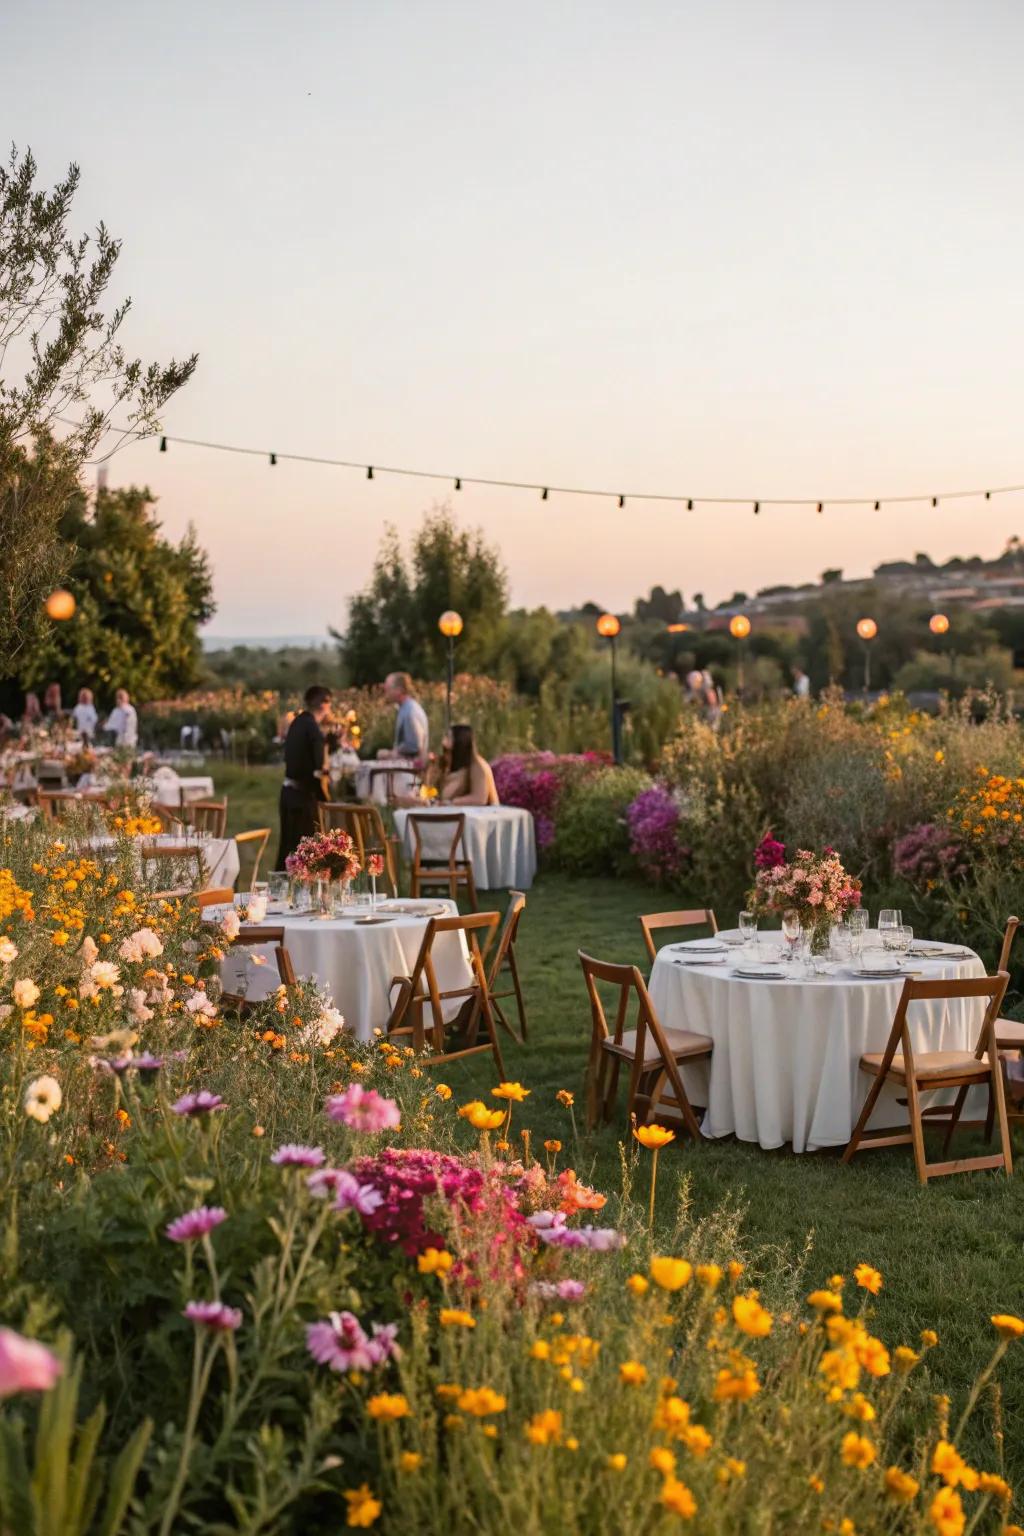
<point x="220" y="855"/>
<point x="382" y="779"/>
<point x="355" y="962"/>
<point x="500" y="843"/>
<point x="785" y="1065"/>
<point x="174" y="790"/>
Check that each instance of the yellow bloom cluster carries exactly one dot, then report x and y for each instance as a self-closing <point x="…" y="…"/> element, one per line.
<point x="992" y="811"/>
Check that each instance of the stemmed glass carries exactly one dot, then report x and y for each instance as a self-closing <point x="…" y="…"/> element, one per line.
<point x="890" y="920"/>
<point x="856" y="922"/>
<point x="748" y="928"/>
<point x="792" y="930"/>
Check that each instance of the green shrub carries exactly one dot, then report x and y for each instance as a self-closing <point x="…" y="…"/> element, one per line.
<point x="592" y="837"/>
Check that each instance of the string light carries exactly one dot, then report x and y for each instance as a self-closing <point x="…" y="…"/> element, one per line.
<point x="546" y="491"/>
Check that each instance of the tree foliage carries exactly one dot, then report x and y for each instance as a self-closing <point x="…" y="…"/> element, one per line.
<point x="63" y="375"/>
<point x="393" y="621"/>
<point x="141" y="600"/>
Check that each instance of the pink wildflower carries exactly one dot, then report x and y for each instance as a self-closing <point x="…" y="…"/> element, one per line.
<point x="342" y="1344"/>
<point x="25" y="1365"/>
<point x="213" y="1315"/>
<point x="363" y="1109"/>
<point x="292" y="1155"/>
<point x="201" y="1103"/>
<point x="195" y="1224"/>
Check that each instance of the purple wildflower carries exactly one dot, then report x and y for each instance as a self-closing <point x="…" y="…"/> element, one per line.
<point x="653" y="822"/>
<point x="594" y="1239"/>
<point x="195" y="1224"/>
<point x="541" y="1220"/>
<point x="363" y="1109"/>
<point x="147" y="1062"/>
<point x="201" y="1103"/>
<point x="213" y="1315"/>
<point x="292" y="1155"/>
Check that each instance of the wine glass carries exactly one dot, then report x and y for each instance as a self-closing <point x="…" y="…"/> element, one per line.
<point x="889" y="921"/>
<point x="748" y="927"/>
<point x="791" y="931"/>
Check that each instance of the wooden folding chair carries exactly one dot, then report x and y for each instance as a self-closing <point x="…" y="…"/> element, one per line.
<point x="365" y="826"/>
<point x="454" y="871"/>
<point x="419" y="1012"/>
<point x="174" y="857"/>
<point x="698" y="917"/>
<point x="930" y="1071"/>
<point x="390" y="773"/>
<point x="504" y="959"/>
<point x="215" y="897"/>
<point x="259" y="838"/>
<point x="257" y="937"/>
<point x="653" y="1052"/>
<point x="1009" y="1032"/>
<point x="209" y="816"/>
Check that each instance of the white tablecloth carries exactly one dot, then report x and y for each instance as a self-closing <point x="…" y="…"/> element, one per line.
<point x="785" y="1063"/>
<point x="175" y="790"/>
<point x="500" y="843"/>
<point x="372" y="784"/>
<point x="355" y="962"/>
<point x="220" y="855"/>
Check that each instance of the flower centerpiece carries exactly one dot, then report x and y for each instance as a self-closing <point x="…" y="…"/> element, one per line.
<point x="329" y="858"/>
<point x="816" y="887"/>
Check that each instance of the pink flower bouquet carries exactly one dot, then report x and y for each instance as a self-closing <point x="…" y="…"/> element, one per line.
<point x="324" y="856"/>
<point x="817" y="888"/>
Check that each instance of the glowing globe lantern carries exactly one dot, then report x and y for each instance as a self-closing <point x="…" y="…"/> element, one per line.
<point x="739" y="626"/>
<point x="867" y="629"/>
<point x="608" y="626"/>
<point x="938" y="624"/>
<point x="450" y="624"/>
<point x="60" y="605"/>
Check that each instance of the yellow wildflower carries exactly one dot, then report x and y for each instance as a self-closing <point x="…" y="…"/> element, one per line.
<point x="545" y="1428"/>
<point x="750" y="1317"/>
<point x="1007" y="1326"/>
<point x="946" y="1513"/>
<point x="900" y="1486"/>
<point x="638" y="1284"/>
<point x="511" y="1091"/>
<point x="388" y="1406"/>
<point x="653" y="1137"/>
<point x="857" y="1450"/>
<point x="434" y="1261"/>
<point x="671" y="1274"/>
<point x="453" y="1317"/>
<point x="869" y="1278"/>
<point x="363" y="1507"/>
<point x="632" y="1373"/>
<point x="678" y="1498"/>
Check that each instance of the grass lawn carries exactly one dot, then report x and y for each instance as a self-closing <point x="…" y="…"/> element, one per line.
<point x="951" y="1253"/>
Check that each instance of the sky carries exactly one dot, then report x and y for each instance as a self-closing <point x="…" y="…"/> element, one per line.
<point x="704" y="247"/>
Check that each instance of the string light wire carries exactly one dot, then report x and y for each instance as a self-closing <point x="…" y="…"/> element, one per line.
<point x="373" y="471"/>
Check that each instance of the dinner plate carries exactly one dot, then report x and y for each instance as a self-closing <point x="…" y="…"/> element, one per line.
<point x="882" y="973"/>
<point x="363" y="921"/>
<point x="700" y="946"/>
<point x="705" y="959"/>
<point x="760" y="972"/>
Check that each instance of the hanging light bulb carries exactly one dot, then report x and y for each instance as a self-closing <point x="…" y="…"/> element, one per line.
<point x="273" y="460"/>
<point x="369" y="471"/>
<point x="163" y="445"/>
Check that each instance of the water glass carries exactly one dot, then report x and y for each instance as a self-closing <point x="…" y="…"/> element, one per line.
<point x="301" y="896"/>
<point x="904" y="938"/>
<point x="889" y="921"/>
<point x="748" y="927"/>
<point x="277" y="885"/>
<point x="842" y="943"/>
<point x="792" y="931"/>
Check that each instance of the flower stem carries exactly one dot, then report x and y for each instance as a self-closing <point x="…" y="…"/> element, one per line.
<point x="654" y="1180"/>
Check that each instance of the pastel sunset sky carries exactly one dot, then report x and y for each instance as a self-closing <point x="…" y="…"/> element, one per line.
<point x="708" y="247"/>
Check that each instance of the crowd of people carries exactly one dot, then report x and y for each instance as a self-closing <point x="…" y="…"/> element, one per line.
<point x="459" y="776"/>
<point x="119" y="729"/>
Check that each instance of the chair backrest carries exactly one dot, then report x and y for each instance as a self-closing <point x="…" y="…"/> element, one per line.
<point x="508" y="935"/>
<point x="259" y="937"/>
<point x="435" y="831"/>
<point x="1009" y="934"/>
<point x="365" y="826"/>
<point x="53" y="802"/>
<point x="991" y="988"/>
<point x="695" y="917"/>
<point x="631" y="987"/>
<point x="258" y="838"/>
<point x="176" y="856"/>
<point x="422" y="984"/>
<point x="169" y="819"/>
<point x="209" y="816"/>
<point x="222" y="896"/>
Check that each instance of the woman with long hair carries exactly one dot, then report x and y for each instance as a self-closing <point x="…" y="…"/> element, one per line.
<point x="466" y="776"/>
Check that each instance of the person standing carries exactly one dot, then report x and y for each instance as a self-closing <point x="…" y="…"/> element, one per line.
<point x="123" y="721"/>
<point x="84" y="715"/>
<point x="305" y="762"/>
<point x="801" y="684"/>
<point x="412" y="729"/>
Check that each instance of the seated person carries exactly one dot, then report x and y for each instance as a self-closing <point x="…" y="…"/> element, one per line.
<point x="466" y="776"/>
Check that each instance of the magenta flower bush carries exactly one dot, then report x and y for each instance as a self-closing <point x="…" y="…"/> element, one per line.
<point x="408" y="1181"/>
<point x="928" y="853"/>
<point x="536" y="782"/>
<point x="653" y="821"/>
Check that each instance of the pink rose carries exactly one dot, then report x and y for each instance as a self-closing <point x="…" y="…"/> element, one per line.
<point x="26" y="1366"/>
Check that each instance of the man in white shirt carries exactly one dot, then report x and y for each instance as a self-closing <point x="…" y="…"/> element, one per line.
<point x="84" y="715"/>
<point x="123" y="720"/>
<point x="801" y="683"/>
<point x="412" y="729"/>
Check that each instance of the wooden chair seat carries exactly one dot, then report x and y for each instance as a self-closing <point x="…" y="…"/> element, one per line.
<point x="957" y="1065"/>
<point x="682" y="1044"/>
<point x="1010" y="1034"/>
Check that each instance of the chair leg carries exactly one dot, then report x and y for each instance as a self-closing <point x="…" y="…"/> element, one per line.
<point x="990" y="1117"/>
<point x="957" y="1110"/>
<point x="916" y="1130"/>
<point x="595" y="1084"/>
<point x="516" y="987"/>
<point x="863" y="1118"/>
<point x="612" y="1091"/>
<point x="997" y="1091"/>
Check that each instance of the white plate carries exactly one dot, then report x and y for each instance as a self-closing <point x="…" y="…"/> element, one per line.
<point x="760" y="972"/>
<point x="871" y="973"/>
<point x="705" y="959"/>
<point x="700" y="946"/>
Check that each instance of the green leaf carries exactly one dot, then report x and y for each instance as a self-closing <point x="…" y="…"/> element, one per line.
<point x="122" y="1480"/>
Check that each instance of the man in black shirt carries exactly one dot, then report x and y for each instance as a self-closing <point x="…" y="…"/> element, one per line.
<point x="305" y="758"/>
